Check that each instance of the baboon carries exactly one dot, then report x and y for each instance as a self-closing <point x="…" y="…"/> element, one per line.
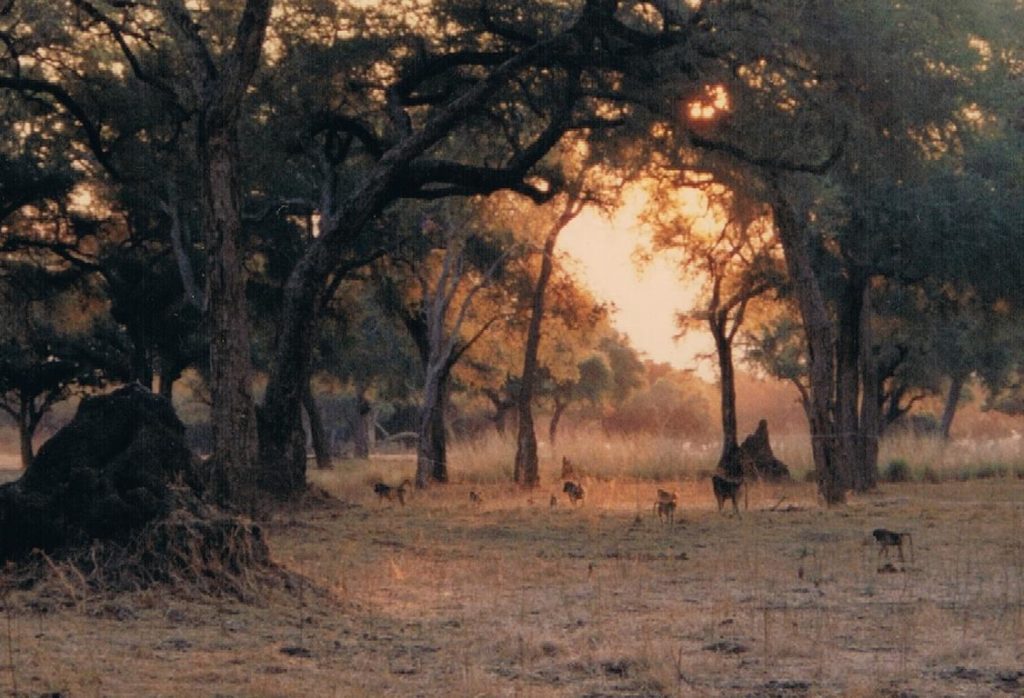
<point x="554" y="501"/>
<point x="567" y="469"/>
<point x="392" y="492"/>
<point x="726" y="488"/>
<point x="666" y="510"/>
<point x="575" y="492"/>
<point x="665" y="505"/>
<point x="887" y="539"/>
<point x="666" y="496"/>
<point x="475" y="498"/>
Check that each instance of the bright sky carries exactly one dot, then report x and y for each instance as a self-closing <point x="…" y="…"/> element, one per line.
<point x="647" y="297"/>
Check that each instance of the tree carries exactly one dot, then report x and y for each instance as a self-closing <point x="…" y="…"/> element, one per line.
<point x="737" y="263"/>
<point x="444" y="308"/>
<point x="527" y="467"/>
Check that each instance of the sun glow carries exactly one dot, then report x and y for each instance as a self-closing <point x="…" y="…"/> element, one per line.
<point x="647" y="295"/>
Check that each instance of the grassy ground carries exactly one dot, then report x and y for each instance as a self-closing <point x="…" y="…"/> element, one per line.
<point x="515" y="597"/>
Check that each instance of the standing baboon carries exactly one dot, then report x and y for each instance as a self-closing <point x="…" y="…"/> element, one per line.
<point x="554" y="501"/>
<point x="886" y="539"/>
<point x="475" y="498"/>
<point x="666" y="510"/>
<point x="575" y="492"/>
<point x="665" y="505"/>
<point x="726" y="488"/>
<point x="392" y="492"/>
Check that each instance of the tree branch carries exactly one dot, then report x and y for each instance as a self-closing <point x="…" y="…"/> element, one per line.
<point x="770" y="163"/>
<point x="92" y="131"/>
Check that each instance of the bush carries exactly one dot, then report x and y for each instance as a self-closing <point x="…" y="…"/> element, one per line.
<point x="990" y="470"/>
<point x="898" y="470"/>
<point x="930" y="476"/>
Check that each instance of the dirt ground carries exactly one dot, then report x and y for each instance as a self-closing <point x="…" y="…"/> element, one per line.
<point x="514" y="597"/>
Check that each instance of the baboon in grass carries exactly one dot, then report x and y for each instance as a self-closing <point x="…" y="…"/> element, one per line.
<point x="886" y="539"/>
<point x="575" y="492"/>
<point x="727" y="488"/>
<point x="392" y="492"/>
<point x="475" y="498"/>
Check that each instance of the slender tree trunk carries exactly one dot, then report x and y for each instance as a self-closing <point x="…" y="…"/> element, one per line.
<point x="361" y="426"/>
<point x="527" y="466"/>
<point x="956" y="387"/>
<point x="871" y="405"/>
<point x="727" y="389"/>
<point x="796" y="244"/>
<point x="316" y="430"/>
<point x="556" y="419"/>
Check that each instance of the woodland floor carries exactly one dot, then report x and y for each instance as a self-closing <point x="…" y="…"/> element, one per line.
<point x="515" y="598"/>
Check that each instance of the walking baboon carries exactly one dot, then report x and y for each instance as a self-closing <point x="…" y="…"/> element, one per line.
<point x="886" y="539"/>
<point x="392" y="492"/>
<point x="475" y="498"/>
<point x="575" y="492"/>
<point x="726" y="488"/>
<point x="568" y="471"/>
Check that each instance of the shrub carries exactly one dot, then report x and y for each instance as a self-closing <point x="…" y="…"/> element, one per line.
<point x="930" y="476"/>
<point x="898" y="470"/>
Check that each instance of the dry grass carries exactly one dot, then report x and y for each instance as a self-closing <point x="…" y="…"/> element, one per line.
<point x="513" y="597"/>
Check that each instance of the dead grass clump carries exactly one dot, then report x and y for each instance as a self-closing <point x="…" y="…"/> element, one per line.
<point x="196" y="548"/>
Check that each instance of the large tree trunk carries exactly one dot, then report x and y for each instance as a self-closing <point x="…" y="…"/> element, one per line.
<point x="233" y="414"/>
<point x="796" y="244"/>
<point x="871" y="404"/>
<point x="431" y="452"/>
<point x="317" y="434"/>
<point x="848" y="374"/>
<point x="956" y="387"/>
<point x="219" y="91"/>
<point x="282" y="441"/>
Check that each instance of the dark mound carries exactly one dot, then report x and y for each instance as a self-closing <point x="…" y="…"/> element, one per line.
<point x="754" y="459"/>
<point x="117" y="489"/>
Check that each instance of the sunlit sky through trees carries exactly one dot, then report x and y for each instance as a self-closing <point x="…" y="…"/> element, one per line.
<point x="647" y="295"/>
